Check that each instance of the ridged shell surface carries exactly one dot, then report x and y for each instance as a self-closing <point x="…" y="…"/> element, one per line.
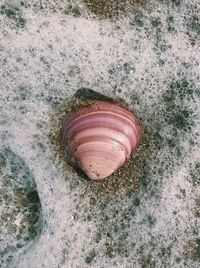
<point x="100" y="138"/>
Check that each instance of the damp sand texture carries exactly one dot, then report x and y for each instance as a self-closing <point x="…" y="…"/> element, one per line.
<point x="144" y="52"/>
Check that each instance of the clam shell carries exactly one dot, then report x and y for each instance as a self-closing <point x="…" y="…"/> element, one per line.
<point x="100" y="138"/>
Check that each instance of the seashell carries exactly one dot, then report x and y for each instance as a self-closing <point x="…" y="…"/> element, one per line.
<point x="99" y="138"/>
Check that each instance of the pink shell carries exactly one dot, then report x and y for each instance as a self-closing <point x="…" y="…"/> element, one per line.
<point x="100" y="138"/>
